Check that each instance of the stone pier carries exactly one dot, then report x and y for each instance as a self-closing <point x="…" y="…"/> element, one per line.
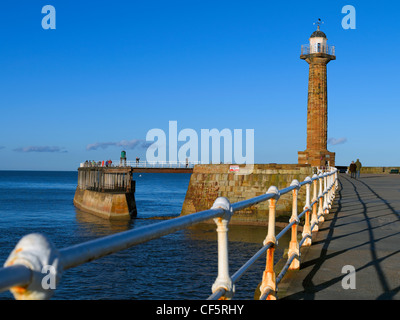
<point x="106" y="192"/>
<point x="208" y="182"/>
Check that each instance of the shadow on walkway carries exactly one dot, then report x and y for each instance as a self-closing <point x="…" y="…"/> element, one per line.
<point x="362" y="230"/>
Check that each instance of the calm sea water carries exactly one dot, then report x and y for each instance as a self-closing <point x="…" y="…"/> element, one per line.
<point x="182" y="265"/>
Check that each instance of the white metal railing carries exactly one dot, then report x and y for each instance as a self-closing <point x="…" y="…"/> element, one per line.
<point x="307" y="49"/>
<point x="23" y="270"/>
<point x="160" y="164"/>
<point x="141" y="164"/>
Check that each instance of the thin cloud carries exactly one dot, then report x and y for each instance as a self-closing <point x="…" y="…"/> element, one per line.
<point x="334" y="141"/>
<point x="41" y="149"/>
<point x="126" y="144"/>
<point x="2" y="147"/>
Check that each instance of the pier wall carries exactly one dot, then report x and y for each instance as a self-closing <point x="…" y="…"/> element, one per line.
<point x="112" y="206"/>
<point x="106" y="192"/>
<point x="208" y="182"/>
<point x="381" y="170"/>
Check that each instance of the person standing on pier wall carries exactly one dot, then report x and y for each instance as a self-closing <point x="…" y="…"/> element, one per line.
<point x="358" y="168"/>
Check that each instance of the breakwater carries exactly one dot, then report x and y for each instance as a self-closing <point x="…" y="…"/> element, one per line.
<point x="241" y="182"/>
<point x="106" y="192"/>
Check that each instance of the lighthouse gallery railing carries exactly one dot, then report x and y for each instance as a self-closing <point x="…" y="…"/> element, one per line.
<point x="23" y="271"/>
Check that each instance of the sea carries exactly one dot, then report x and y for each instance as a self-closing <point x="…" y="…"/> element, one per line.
<point x="179" y="266"/>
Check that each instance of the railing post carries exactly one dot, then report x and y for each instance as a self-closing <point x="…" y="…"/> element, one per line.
<point x="269" y="277"/>
<point x="316" y="201"/>
<point x="336" y="180"/>
<point x="307" y="226"/>
<point x="325" y="208"/>
<point x="223" y="279"/>
<point x="330" y="191"/>
<point x="334" y="186"/>
<point x="294" y="244"/>
<point x="320" y="200"/>
<point x="37" y="253"/>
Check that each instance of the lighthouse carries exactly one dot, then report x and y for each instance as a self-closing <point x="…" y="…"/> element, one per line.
<point x="317" y="54"/>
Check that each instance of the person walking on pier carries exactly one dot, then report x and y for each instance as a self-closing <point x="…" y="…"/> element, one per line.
<point x="353" y="169"/>
<point x="358" y="168"/>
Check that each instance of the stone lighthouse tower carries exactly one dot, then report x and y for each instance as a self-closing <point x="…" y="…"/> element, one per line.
<point x="317" y="54"/>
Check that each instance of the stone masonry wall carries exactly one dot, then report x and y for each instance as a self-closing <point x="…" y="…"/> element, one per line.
<point x="209" y="182"/>
<point x="316" y="153"/>
<point x="383" y="170"/>
<point x="112" y="206"/>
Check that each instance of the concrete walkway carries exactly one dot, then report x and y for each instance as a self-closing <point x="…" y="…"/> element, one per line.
<point x="363" y="231"/>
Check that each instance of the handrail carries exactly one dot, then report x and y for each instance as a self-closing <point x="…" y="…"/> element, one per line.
<point x="91" y="250"/>
<point x="308" y="49"/>
<point x="22" y="272"/>
<point x="238" y="274"/>
<point x="140" y="164"/>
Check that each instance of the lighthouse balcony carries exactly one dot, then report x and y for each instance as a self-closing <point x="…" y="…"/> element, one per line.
<point x="317" y="48"/>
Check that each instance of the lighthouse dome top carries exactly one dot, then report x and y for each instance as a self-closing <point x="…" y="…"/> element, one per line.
<point x="318" y="34"/>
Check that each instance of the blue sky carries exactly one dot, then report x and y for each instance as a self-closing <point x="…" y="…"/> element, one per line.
<point x="112" y="71"/>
